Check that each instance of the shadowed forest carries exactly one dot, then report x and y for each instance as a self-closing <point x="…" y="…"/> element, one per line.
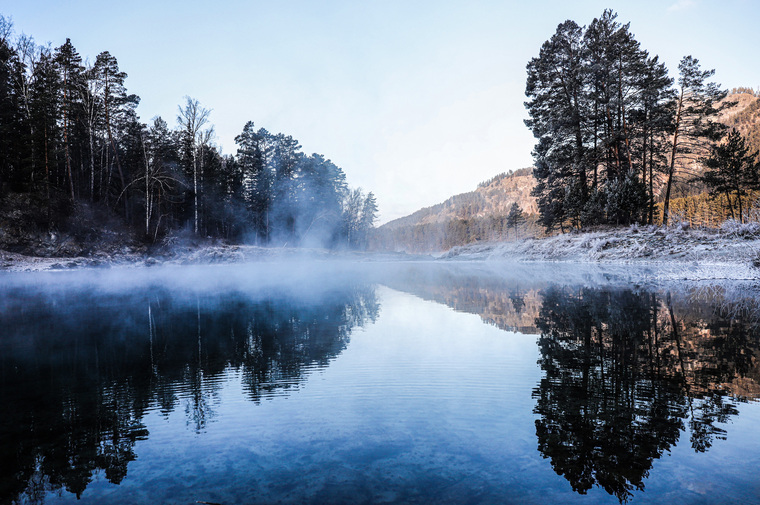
<point x="75" y="158"/>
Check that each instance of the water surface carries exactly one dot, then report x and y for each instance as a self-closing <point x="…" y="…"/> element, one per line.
<point x="327" y="383"/>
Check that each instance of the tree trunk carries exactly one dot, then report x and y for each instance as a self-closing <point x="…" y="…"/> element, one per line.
<point x="651" y="179"/>
<point x="66" y="132"/>
<point x="147" y="190"/>
<point x="92" y="165"/>
<point x="730" y="205"/>
<point x="672" y="167"/>
<point x="739" y="201"/>
<point x="47" y="179"/>
<point x="113" y="146"/>
<point x="195" y="189"/>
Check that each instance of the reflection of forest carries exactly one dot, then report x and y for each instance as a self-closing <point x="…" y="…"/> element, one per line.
<point x="626" y="372"/>
<point x="80" y="371"/>
<point x="498" y="301"/>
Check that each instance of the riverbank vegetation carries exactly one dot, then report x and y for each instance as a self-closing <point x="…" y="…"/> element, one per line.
<point x="73" y="149"/>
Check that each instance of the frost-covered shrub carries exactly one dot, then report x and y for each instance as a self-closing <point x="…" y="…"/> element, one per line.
<point x="734" y="228"/>
<point x="594" y="211"/>
<point x="626" y="200"/>
<point x="602" y="244"/>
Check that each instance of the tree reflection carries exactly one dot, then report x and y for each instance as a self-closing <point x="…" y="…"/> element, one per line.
<point x="624" y="375"/>
<point x="78" y="372"/>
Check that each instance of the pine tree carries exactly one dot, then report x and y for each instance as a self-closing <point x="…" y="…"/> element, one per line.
<point x="45" y="111"/>
<point x="515" y="217"/>
<point x="654" y="117"/>
<point x="693" y="127"/>
<point x="598" y="107"/>
<point x="555" y="88"/>
<point x="70" y="69"/>
<point x="117" y="108"/>
<point x="732" y="171"/>
<point x="9" y="128"/>
<point x="251" y="157"/>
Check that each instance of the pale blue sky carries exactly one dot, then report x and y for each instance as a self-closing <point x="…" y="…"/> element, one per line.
<point x="416" y="101"/>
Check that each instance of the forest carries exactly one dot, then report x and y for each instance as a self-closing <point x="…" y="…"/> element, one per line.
<point x="615" y="133"/>
<point x="73" y="150"/>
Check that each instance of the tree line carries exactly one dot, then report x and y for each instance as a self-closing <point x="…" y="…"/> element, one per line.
<point x="69" y="132"/>
<point x="615" y="132"/>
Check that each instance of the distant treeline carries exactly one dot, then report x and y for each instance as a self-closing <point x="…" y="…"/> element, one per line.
<point x="512" y="173"/>
<point x="706" y="211"/>
<point x="69" y="133"/>
<point x="615" y="133"/>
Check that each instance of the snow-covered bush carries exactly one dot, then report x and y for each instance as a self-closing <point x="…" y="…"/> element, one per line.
<point x="734" y="228"/>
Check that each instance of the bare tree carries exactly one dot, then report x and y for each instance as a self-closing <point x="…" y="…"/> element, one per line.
<point x="6" y="29"/>
<point x="192" y="118"/>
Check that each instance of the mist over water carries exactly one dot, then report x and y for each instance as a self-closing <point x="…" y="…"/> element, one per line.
<point x="345" y="382"/>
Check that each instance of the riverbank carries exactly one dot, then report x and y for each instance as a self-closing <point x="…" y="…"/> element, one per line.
<point x="732" y="252"/>
<point x="188" y="254"/>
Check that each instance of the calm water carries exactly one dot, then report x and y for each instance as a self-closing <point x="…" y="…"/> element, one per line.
<point x="326" y="383"/>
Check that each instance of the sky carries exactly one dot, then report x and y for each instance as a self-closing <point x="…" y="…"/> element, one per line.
<point x="415" y="100"/>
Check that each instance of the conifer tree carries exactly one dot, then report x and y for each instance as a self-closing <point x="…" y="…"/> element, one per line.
<point x="515" y="217"/>
<point x="117" y="106"/>
<point x="555" y="88"/>
<point x="732" y="171"/>
<point x="70" y="69"/>
<point x="693" y="127"/>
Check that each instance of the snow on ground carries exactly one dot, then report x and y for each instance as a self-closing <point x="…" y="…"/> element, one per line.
<point x="673" y="253"/>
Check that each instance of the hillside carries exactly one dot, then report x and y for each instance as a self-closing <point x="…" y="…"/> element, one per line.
<point x="745" y="115"/>
<point x="478" y="215"/>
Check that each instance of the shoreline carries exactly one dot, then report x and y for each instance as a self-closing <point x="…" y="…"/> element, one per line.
<point x="669" y="253"/>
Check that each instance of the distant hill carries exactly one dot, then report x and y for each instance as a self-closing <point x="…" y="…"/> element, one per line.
<point x="478" y="215"/>
<point x="745" y="115"/>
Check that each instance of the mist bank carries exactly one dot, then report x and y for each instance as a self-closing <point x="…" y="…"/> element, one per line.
<point x="191" y="254"/>
<point x="635" y="254"/>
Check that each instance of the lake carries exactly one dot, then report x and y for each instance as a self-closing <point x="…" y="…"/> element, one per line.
<point x="327" y="382"/>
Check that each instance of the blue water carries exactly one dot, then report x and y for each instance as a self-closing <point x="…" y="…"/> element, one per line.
<point x="326" y="384"/>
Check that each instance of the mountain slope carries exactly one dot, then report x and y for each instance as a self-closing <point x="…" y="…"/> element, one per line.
<point x="745" y="115"/>
<point x="478" y="215"/>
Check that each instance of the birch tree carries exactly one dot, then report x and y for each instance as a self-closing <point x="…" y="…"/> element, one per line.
<point x="192" y="117"/>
